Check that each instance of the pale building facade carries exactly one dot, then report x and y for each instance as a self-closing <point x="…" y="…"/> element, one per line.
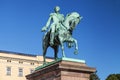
<point x="15" y="66"/>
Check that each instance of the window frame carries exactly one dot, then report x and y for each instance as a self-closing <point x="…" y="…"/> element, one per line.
<point x="8" y="71"/>
<point x="20" y="72"/>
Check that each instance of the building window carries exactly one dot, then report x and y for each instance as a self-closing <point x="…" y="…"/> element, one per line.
<point x="32" y="63"/>
<point x="8" y="60"/>
<point x="31" y="71"/>
<point x="20" y="72"/>
<point x="8" y="71"/>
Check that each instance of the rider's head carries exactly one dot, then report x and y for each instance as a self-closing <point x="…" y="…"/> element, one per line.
<point x="57" y="9"/>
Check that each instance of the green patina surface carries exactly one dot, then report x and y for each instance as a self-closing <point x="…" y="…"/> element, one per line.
<point x="47" y="64"/>
<point x="72" y="60"/>
<point x="58" y="60"/>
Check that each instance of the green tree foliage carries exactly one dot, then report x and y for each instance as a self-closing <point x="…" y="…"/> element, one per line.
<point x="94" y="76"/>
<point x="118" y="76"/>
<point x="113" y="77"/>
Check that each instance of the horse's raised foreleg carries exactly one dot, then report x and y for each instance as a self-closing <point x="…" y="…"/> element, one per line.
<point x="76" y="45"/>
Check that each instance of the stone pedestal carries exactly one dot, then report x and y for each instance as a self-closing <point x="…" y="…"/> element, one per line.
<point x="63" y="69"/>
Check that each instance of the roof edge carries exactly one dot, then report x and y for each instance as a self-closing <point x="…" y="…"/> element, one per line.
<point x="17" y="53"/>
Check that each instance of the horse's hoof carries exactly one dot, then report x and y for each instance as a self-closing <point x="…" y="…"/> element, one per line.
<point x="64" y="56"/>
<point x="44" y="63"/>
<point x="56" y="59"/>
<point x="76" y="52"/>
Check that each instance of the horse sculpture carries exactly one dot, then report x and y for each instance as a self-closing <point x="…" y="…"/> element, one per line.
<point x="64" y="35"/>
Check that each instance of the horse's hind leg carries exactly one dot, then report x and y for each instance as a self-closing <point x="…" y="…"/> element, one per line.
<point x="62" y="47"/>
<point x="56" y="52"/>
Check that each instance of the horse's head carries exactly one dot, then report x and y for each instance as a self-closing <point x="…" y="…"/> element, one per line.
<point x="72" y="20"/>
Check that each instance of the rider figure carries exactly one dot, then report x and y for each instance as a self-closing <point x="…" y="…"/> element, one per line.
<point x="57" y="20"/>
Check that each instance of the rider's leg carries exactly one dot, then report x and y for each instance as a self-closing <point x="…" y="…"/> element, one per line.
<point x="52" y="35"/>
<point x="51" y="38"/>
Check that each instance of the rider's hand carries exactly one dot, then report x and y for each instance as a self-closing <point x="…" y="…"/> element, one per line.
<point x="44" y="29"/>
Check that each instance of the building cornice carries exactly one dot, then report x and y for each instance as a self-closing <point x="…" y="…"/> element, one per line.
<point x="19" y="59"/>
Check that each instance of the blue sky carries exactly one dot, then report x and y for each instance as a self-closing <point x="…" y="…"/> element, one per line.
<point x="98" y="34"/>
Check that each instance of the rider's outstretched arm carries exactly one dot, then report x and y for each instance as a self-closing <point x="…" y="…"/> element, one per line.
<point x="49" y="20"/>
<point x="47" y="24"/>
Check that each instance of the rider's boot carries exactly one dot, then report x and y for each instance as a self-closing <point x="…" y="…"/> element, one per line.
<point x="51" y="39"/>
